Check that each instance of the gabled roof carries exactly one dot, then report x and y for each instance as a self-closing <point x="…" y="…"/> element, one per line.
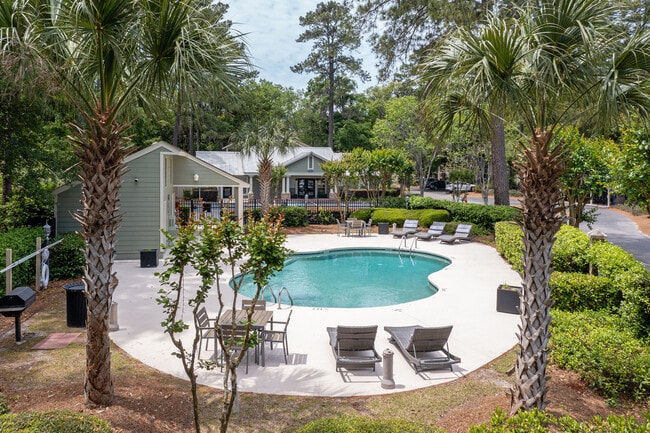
<point x="239" y="164"/>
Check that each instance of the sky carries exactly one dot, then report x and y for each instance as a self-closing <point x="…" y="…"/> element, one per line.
<point x="272" y="27"/>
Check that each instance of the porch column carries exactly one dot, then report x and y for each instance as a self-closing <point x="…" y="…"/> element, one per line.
<point x="250" y="184"/>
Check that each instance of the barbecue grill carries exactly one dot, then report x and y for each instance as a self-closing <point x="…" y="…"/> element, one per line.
<point x="14" y="303"/>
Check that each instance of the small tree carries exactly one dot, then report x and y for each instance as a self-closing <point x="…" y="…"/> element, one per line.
<point x="257" y="250"/>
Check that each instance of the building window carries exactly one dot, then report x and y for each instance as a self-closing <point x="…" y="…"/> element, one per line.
<point x="310" y="163"/>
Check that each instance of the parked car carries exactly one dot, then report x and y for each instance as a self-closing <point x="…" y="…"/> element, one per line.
<point x="435" y="184"/>
<point x="459" y="187"/>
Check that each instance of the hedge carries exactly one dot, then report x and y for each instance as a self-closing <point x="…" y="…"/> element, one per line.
<point x="52" y="422"/>
<point x="603" y="351"/>
<point x="577" y="292"/>
<point x="293" y="216"/>
<point x="425" y="217"/>
<point x="354" y="424"/>
<point x="542" y="422"/>
<point x="483" y="216"/>
<point x="67" y="258"/>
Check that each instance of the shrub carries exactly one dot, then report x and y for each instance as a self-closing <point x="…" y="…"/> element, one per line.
<point x="509" y="241"/>
<point x="352" y="424"/>
<point x="67" y="259"/>
<point x="477" y="214"/>
<point x="293" y="216"/>
<point x="362" y="214"/>
<point x="600" y="348"/>
<point x="326" y="217"/>
<point x="22" y="242"/>
<point x="570" y="250"/>
<point x="397" y="216"/>
<point x="631" y="278"/>
<point x="392" y="202"/>
<point x="543" y="422"/>
<point x="52" y="422"/>
<point x="4" y="406"/>
<point x="577" y="292"/>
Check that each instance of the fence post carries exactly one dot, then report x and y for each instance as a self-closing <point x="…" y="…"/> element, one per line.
<point x="37" y="280"/>
<point x="9" y="261"/>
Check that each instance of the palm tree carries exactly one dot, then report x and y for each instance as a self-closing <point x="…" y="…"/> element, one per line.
<point x="264" y="139"/>
<point x="568" y="64"/>
<point x="108" y="55"/>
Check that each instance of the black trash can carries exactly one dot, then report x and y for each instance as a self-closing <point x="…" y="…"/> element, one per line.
<point x="75" y="302"/>
<point x="382" y="228"/>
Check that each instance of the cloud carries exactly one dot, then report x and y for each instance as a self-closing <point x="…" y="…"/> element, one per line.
<point x="272" y="28"/>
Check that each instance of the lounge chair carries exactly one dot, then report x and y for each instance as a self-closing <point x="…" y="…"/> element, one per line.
<point x="423" y="348"/>
<point x="434" y="231"/>
<point x="354" y="347"/>
<point x="462" y="233"/>
<point x="410" y="227"/>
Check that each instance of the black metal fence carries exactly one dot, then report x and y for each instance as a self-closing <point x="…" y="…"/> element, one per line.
<point x="215" y="209"/>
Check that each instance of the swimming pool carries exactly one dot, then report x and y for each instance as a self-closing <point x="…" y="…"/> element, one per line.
<point x="353" y="278"/>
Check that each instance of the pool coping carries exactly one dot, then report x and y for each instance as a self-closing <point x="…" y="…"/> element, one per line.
<point x="466" y="299"/>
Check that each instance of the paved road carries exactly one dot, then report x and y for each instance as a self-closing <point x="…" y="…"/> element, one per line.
<point x="620" y="230"/>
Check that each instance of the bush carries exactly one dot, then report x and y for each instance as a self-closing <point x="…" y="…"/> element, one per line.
<point x="509" y="241"/>
<point x="543" y="422"/>
<point x="362" y="214"/>
<point x="352" y="424"/>
<point x="483" y="216"/>
<point x="22" y="242"/>
<point x="52" y="422"/>
<point x="631" y="278"/>
<point x="392" y="202"/>
<point x="600" y="348"/>
<point x="326" y="217"/>
<point x="425" y="217"/>
<point x="293" y="216"/>
<point x="570" y="250"/>
<point x="67" y="258"/>
<point x="577" y="292"/>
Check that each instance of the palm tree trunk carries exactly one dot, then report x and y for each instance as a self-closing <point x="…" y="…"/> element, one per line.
<point x="266" y="178"/>
<point x="540" y="174"/>
<point x="100" y="151"/>
<point x="499" y="163"/>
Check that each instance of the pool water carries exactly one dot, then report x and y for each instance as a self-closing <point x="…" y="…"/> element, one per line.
<point x="353" y="278"/>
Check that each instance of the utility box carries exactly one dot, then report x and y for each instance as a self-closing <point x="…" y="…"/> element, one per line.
<point x="149" y="258"/>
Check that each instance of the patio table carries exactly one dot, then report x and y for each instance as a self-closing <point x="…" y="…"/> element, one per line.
<point x="259" y="320"/>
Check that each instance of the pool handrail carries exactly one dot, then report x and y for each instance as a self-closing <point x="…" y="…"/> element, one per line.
<point x="284" y="290"/>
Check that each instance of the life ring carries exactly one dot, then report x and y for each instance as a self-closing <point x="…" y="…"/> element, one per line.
<point x="45" y="275"/>
<point x="45" y="268"/>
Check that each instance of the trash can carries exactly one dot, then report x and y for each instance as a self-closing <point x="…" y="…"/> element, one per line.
<point x="382" y="228"/>
<point x="149" y="258"/>
<point x="75" y="302"/>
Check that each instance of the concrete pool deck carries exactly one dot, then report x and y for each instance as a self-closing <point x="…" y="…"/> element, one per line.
<point x="466" y="299"/>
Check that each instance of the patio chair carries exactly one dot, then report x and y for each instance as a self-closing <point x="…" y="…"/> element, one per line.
<point x="410" y="227"/>
<point x="277" y="336"/>
<point x="462" y="233"/>
<point x="260" y="304"/>
<point x="206" y="329"/>
<point x="423" y="348"/>
<point x="357" y="226"/>
<point x="436" y="229"/>
<point x="354" y="347"/>
<point x="341" y="226"/>
<point x="233" y="338"/>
